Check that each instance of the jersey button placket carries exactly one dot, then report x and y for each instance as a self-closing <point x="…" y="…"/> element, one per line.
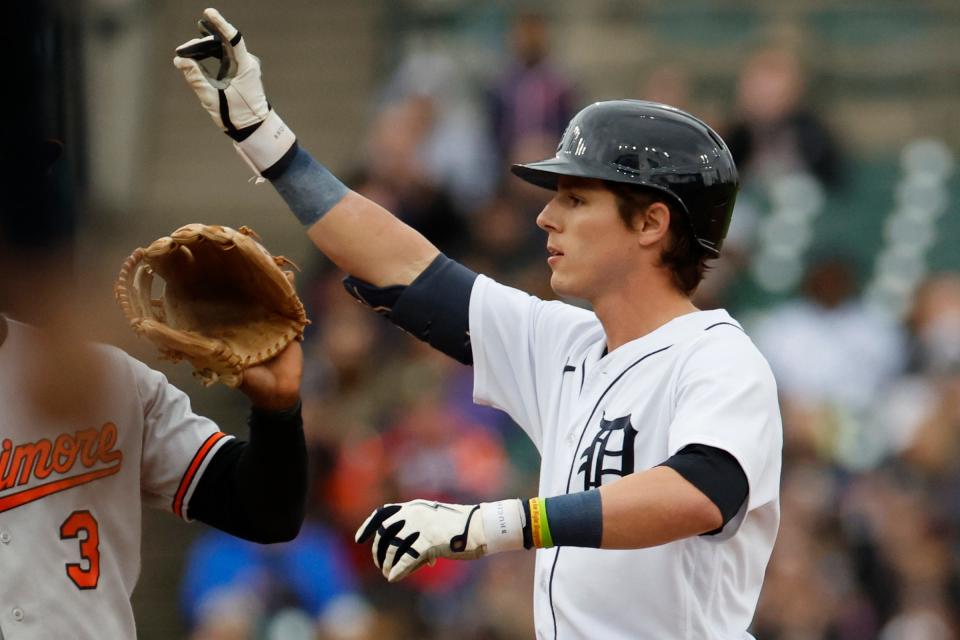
<point x="5" y="537"/>
<point x="17" y="614"/>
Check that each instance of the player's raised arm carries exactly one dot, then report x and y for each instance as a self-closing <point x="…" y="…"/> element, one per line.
<point x="361" y="237"/>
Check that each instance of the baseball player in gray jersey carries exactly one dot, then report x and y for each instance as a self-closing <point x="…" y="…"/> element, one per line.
<point x="657" y="423"/>
<point x="88" y="435"/>
<point x="72" y="483"/>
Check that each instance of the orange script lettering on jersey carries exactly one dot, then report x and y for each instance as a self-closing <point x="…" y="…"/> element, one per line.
<point x="89" y="447"/>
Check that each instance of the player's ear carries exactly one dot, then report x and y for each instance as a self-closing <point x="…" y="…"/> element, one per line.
<point x="653" y="225"/>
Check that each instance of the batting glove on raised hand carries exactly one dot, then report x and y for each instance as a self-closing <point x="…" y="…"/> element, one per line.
<point x="407" y="536"/>
<point x="233" y="95"/>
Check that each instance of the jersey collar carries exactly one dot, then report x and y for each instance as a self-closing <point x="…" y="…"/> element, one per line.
<point x="676" y="330"/>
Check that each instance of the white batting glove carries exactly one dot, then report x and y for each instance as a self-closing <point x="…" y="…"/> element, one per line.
<point x="407" y="536"/>
<point x="234" y="95"/>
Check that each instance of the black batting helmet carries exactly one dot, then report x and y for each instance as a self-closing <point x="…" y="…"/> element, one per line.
<point x="650" y="145"/>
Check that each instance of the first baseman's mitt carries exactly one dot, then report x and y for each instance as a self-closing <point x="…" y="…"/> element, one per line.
<point x="225" y="304"/>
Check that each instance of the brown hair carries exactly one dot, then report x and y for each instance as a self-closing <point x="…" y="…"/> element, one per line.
<point x="683" y="255"/>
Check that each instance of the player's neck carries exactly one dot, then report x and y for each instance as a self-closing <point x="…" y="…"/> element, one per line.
<point x="632" y="312"/>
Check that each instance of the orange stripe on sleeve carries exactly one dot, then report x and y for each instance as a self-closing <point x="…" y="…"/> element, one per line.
<point x="192" y="471"/>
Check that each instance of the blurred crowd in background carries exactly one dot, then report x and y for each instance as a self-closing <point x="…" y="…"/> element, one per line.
<point x="865" y="346"/>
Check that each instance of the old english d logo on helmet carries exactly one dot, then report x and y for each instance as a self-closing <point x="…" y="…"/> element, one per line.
<point x="651" y="145"/>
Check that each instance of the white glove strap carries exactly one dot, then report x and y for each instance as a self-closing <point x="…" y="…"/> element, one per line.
<point x="265" y="146"/>
<point x="503" y="525"/>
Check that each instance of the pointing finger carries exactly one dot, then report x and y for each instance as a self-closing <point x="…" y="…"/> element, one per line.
<point x="220" y="24"/>
<point x="229" y="33"/>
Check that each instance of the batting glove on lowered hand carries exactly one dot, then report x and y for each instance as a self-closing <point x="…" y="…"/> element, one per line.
<point x="233" y="95"/>
<point x="406" y="536"/>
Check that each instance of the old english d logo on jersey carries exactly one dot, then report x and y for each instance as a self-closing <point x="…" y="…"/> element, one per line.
<point x="610" y="453"/>
<point x="54" y="464"/>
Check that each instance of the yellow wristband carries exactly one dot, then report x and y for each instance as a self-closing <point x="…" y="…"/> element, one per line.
<point x="539" y="526"/>
<point x="535" y="522"/>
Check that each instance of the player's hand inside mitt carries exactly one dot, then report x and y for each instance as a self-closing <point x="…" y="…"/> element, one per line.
<point x="406" y="536"/>
<point x="225" y="304"/>
<point x="275" y="384"/>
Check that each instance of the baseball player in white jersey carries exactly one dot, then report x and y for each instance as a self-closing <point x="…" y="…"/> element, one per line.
<point x="72" y="484"/>
<point x="657" y="423"/>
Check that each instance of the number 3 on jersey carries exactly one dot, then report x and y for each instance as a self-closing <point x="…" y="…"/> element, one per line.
<point x="82" y="525"/>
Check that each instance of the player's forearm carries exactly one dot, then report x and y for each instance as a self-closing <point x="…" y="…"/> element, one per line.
<point x="644" y="509"/>
<point x="696" y="491"/>
<point x="370" y="243"/>
<point x="358" y="235"/>
<point x="654" y="507"/>
<point x="406" y="536"/>
<point x="257" y="489"/>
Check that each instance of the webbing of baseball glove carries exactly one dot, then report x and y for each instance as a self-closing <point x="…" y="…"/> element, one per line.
<point x="224" y="303"/>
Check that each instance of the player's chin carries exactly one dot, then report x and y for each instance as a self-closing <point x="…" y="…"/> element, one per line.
<point x="562" y="286"/>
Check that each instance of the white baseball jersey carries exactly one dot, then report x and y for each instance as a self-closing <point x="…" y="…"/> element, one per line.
<point x="71" y="493"/>
<point x="594" y="418"/>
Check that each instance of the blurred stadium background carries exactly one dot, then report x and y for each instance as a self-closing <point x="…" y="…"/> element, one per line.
<point x="844" y="262"/>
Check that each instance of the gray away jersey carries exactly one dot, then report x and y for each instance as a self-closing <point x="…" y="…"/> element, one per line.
<point x="71" y="493"/>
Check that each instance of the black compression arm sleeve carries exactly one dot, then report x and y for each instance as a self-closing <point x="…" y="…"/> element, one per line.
<point x="435" y="307"/>
<point x="714" y="472"/>
<point x="256" y="490"/>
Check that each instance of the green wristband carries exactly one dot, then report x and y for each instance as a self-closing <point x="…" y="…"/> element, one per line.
<point x="546" y="540"/>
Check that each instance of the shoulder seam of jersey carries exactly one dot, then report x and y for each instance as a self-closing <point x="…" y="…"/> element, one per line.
<point x="724" y="322"/>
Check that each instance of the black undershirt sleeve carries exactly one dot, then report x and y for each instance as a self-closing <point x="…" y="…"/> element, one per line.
<point x="256" y="490"/>
<point x="716" y="473"/>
